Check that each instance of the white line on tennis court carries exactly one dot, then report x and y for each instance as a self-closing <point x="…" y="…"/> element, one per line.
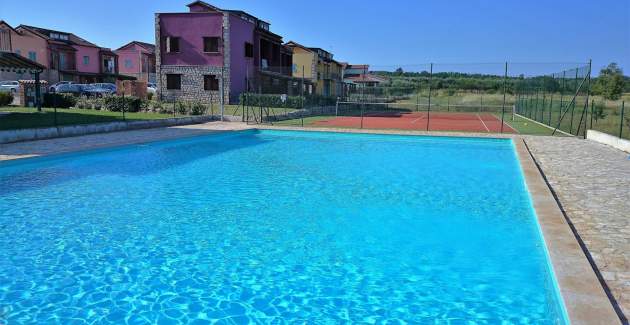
<point x="482" y="122"/>
<point x="416" y="120"/>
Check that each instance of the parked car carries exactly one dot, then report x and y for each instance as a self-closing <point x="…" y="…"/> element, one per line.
<point x="74" y="89"/>
<point x="106" y="85"/>
<point x="53" y="87"/>
<point x="98" y="90"/>
<point x="9" y="85"/>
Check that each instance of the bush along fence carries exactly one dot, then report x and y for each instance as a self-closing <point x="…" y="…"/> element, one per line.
<point x="6" y="98"/>
<point x="118" y="104"/>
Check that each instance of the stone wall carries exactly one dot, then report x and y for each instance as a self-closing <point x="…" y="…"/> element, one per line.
<point x="192" y="84"/>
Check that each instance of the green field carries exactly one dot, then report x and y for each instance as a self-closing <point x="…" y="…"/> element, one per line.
<point x="22" y="117"/>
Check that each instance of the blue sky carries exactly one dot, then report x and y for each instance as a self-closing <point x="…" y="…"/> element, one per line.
<point x="385" y="34"/>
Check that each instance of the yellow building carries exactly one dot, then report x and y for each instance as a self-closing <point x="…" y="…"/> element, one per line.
<point x="304" y="66"/>
<point x="322" y="74"/>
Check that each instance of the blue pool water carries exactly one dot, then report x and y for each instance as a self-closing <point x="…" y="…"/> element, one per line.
<point x="275" y="227"/>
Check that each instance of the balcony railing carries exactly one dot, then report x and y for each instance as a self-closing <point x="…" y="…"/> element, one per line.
<point x="287" y="71"/>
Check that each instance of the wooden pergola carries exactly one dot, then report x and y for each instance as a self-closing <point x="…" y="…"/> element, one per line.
<point x="12" y="62"/>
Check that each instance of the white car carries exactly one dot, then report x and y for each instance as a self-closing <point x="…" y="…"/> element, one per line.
<point x="53" y="87"/>
<point x="9" y="85"/>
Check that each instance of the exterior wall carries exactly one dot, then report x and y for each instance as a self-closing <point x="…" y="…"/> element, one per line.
<point x="191" y="28"/>
<point x="242" y="69"/>
<point x="304" y="59"/>
<point x="93" y="53"/>
<point x="26" y="42"/>
<point x="134" y="54"/>
<point x="192" y="84"/>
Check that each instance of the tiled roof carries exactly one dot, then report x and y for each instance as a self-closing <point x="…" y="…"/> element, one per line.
<point x="72" y="38"/>
<point x="147" y="46"/>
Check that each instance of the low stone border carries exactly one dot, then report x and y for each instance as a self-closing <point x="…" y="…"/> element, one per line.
<point x="9" y="136"/>
<point x="610" y="140"/>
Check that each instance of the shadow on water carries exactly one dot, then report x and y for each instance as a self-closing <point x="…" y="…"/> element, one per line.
<point x="130" y="160"/>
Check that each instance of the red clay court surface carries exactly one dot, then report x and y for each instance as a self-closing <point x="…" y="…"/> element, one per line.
<point x="438" y="121"/>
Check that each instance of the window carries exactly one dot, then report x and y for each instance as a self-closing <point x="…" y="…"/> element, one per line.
<point x="86" y="60"/>
<point x="5" y="40"/>
<point x="173" y="81"/>
<point x="128" y="64"/>
<point x="210" y="82"/>
<point x="32" y="55"/>
<point x="211" y="44"/>
<point x="249" y="50"/>
<point x="172" y="44"/>
<point x="62" y="61"/>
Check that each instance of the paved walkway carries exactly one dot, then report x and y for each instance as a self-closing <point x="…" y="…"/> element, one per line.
<point x="592" y="182"/>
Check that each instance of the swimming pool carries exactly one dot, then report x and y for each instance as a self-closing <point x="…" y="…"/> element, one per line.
<point x="275" y="226"/>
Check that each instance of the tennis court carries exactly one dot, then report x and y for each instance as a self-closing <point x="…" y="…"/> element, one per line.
<point x="433" y="121"/>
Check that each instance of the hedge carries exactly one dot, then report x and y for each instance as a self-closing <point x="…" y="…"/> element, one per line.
<point x="6" y="98"/>
<point x="59" y="100"/>
<point x="268" y="100"/>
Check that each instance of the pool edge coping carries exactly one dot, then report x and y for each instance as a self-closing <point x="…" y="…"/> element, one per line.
<point x="584" y="298"/>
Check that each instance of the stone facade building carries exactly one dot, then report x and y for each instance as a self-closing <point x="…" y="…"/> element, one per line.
<point x="208" y="51"/>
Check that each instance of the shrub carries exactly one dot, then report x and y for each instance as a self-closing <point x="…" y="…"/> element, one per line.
<point x="149" y="96"/>
<point x="6" y="98"/>
<point x="118" y="103"/>
<point x="270" y="100"/>
<point x="59" y="100"/>
<point x="182" y="108"/>
<point x="197" y="109"/>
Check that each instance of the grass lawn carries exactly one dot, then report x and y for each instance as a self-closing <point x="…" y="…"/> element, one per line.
<point x="524" y="126"/>
<point x="23" y="117"/>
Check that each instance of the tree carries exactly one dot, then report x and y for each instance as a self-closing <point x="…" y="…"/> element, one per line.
<point x="399" y="71"/>
<point x="610" y="82"/>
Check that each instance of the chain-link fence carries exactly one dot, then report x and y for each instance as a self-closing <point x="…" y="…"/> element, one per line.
<point x="525" y="98"/>
<point x="482" y="97"/>
<point x="563" y="100"/>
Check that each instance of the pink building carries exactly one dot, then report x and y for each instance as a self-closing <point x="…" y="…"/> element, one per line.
<point x="26" y="44"/>
<point x="137" y="59"/>
<point x="66" y="56"/>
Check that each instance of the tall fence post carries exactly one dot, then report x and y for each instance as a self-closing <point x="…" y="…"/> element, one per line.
<point x="592" y="112"/>
<point x="361" y="115"/>
<point x="504" y="91"/>
<point x="429" y="108"/>
<point x="623" y="104"/>
<point x="550" y="109"/>
<point x="123" y="104"/>
<point x="536" y="106"/>
<point x="577" y="88"/>
<point x="222" y="93"/>
<point x="337" y="107"/>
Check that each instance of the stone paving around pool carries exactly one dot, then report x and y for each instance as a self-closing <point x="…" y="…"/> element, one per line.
<point x="592" y="182"/>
